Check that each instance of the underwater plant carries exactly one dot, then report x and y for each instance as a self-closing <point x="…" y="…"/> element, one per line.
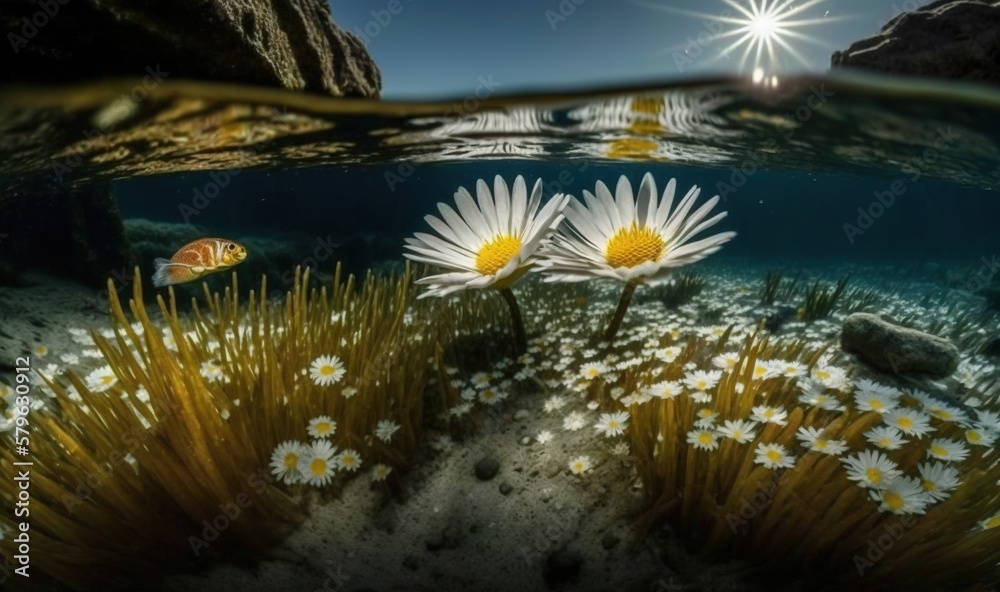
<point x="635" y="240"/>
<point x="776" y="287"/>
<point x="820" y="300"/>
<point x="174" y="451"/>
<point x="490" y="245"/>
<point x="771" y="458"/>
<point x="679" y="291"/>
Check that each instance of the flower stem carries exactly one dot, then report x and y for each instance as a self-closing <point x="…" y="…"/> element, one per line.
<point x="616" y="321"/>
<point x="517" y="321"/>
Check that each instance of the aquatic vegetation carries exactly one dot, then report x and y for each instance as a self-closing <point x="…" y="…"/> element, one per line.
<point x="680" y="290"/>
<point x="820" y="300"/>
<point x="491" y="245"/>
<point x="792" y="482"/>
<point x="778" y="288"/>
<point x="343" y="364"/>
<point x="632" y="239"/>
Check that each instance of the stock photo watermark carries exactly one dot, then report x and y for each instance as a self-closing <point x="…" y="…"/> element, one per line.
<point x="32" y="24"/>
<point x="229" y="512"/>
<point x="886" y="198"/>
<point x="381" y="18"/>
<point x="127" y="101"/>
<point x="562" y="12"/>
<point x="739" y="175"/>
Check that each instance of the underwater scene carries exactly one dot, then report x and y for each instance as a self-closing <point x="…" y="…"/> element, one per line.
<point x="733" y="332"/>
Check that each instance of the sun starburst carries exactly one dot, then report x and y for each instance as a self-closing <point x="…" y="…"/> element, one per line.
<point x="760" y="32"/>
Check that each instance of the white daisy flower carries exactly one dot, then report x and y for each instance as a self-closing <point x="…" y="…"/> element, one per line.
<point x="773" y="456"/>
<point x="814" y="440"/>
<point x="766" y="414"/>
<point x="574" y="421"/>
<point x="939" y="479"/>
<point x="740" y="430"/>
<point x="385" y="429"/>
<point x="703" y="439"/>
<point x="763" y="370"/>
<point x="327" y="370"/>
<point x="667" y="389"/>
<point x="554" y="403"/>
<point x="871" y="468"/>
<point x="668" y="354"/>
<point x="909" y="421"/>
<point x="592" y="370"/>
<point x="989" y="523"/>
<point x="885" y="437"/>
<point x="543" y="436"/>
<point x="318" y="465"/>
<point x="612" y="424"/>
<point x="321" y="427"/>
<point x="813" y="394"/>
<point x="492" y="243"/>
<point x="349" y="460"/>
<point x="980" y="437"/>
<point x="947" y="449"/>
<point x="101" y="379"/>
<point x="628" y="239"/>
<point x="706" y="418"/>
<point x="988" y="420"/>
<point x="287" y="461"/>
<point x="872" y="401"/>
<point x="790" y="369"/>
<point x="903" y="495"/>
<point x="946" y="412"/>
<point x="491" y="396"/>
<point x="700" y="380"/>
<point x="831" y="377"/>
<point x="726" y="362"/>
<point x="580" y="465"/>
<point x="213" y="372"/>
<point x="380" y="472"/>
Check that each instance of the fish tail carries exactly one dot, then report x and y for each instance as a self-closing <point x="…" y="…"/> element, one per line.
<point x="167" y="273"/>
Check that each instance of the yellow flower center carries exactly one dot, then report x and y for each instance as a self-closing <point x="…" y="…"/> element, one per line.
<point x="705" y="438"/>
<point x="108" y="379"/>
<point x="820" y="444"/>
<point x="291" y="460"/>
<point x="613" y="424"/>
<point x="592" y="372"/>
<point x="993" y="522"/>
<point x="939" y="450"/>
<point x="760" y="371"/>
<point x="874" y="476"/>
<point x="705" y="413"/>
<point x="875" y="404"/>
<point x="893" y="500"/>
<point x="768" y="413"/>
<point x="701" y="385"/>
<point x="930" y="486"/>
<point x="322" y="427"/>
<point x="822" y="375"/>
<point x="326" y="370"/>
<point x="904" y="422"/>
<point x="347" y="461"/>
<point x="634" y="245"/>
<point x="773" y="455"/>
<point x="973" y="436"/>
<point x="884" y="442"/>
<point x="317" y="466"/>
<point x="497" y="253"/>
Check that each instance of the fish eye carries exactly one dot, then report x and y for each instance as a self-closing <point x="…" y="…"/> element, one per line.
<point x="231" y="247"/>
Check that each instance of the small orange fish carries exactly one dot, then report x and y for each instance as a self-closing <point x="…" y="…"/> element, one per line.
<point x="197" y="259"/>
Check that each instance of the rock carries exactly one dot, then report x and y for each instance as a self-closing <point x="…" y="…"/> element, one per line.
<point x="561" y="567"/>
<point x="291" y="44"/>
<point x="75" y="232"/>
<point x="897" y="349"/>
<point x="610" y="541"/>
<point x="411" y="562"/>
<point x="524" y="440"/>
<point x="944" y="39"/>
<point x="487" y="468"/>
<point x="506" y="488"/>
<point x="521" y="414"/>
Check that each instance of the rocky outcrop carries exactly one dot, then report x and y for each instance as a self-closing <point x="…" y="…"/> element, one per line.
<point x="893" y="348"/>
<point x="292" y="44"/>
<point x="945" y="39"/>
<point x="75" y="232"/>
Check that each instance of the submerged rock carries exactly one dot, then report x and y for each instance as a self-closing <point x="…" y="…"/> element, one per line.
<point x="291" y="44"/>
<point x="945" y="39"/>
<point x="897" y="349"/>
<point x="83" y="237"/>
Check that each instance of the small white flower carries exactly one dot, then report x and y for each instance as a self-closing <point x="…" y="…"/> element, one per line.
<point x="773" y="456"/>
<point x="580" y="465"/>
<point x="327" y="370"/>
<point x="385" y="429"/>
<point x="612" y="424"/>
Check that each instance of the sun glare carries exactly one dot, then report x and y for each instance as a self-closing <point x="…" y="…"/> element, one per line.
<point x="760" y="33"/>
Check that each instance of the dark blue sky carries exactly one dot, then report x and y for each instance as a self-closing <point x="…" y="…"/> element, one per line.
<point x="446" y="48"/>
